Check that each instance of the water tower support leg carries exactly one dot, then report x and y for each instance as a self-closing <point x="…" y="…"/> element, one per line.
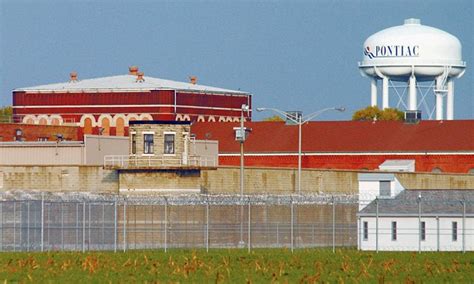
<point x="385" y="92"/>
<point x="450" y="101"/>
<point x="373" y="92"/>
<point x="412" y="103"/>
<point x="439" y="107"/>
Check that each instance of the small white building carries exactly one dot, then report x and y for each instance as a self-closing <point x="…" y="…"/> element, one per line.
<point x="418" y="220"/>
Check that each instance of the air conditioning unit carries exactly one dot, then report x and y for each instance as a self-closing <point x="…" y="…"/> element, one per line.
<point x="412" y="116"/>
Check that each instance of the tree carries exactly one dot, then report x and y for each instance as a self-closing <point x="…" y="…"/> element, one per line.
<point x="274" y="118"/>
<point x="373" y="112"/>
<point x="6" y="113"/>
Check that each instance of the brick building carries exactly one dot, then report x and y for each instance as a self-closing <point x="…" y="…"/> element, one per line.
<point x="107" y="104"/>
<point x="434" y="146"/>
<point x="26" y="132"/>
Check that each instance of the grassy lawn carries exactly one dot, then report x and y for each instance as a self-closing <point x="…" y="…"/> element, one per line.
<point x="238" y="266"/>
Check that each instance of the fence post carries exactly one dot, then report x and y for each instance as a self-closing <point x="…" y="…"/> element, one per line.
<point x="464" y="226"/>
<point x="83" y="226"/>
<point x="166" y="224"/>
<point x="419" y="224"/>
<point x="14" y="225"/>
<point x="115" y="224"/>
<point x="42" y="221"/>
<point x="77" y="225"/>
<point x="333" y="224"/>
<point x="124" y="225"/>
<point x="62" y="226"/>
<point x="291" y="223"/>
<point x="377" y="224"/>
<point x="1" y="225"/>
<point x="89" y="227"/>
<point x="207" y="225"/>
<point x="437" y="233"/>
<point x="249" y="232"/>
<point x="28" y="226"/>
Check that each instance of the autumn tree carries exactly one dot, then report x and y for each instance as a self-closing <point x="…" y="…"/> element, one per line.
<point x="274" y="118"/>
<point x="6" y="114"/>
<point x="373" y="112"/>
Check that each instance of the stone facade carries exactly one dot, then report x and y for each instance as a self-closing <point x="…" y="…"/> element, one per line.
<point x="181" y="130"/>
<point x="222" y="180"/>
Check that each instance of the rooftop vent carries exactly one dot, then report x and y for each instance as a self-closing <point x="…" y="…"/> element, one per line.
<point x="133" y="70"/>
<point x="412" y="116"/>
<point x="412" y="21"/>
<point x="193" y="80"/>
<point x="73" y="77"/>
<point x="140" y="78"/>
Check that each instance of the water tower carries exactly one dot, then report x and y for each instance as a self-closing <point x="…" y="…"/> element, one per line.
<point x="418" y="59"/>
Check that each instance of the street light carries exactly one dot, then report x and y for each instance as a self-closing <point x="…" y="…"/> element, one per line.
<point x="300" y="120"/>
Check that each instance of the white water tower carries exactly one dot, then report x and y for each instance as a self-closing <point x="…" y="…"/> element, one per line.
<point x="423" y="58"/>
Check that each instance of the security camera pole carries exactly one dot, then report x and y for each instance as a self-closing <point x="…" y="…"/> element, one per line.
<point x="300" y="120"/>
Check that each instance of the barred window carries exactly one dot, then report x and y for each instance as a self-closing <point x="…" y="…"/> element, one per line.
<point x="394" y="231"/>
<point x="134" y="143"/>
<point x="366" y="231"/>
<point x="455" y="231"/>
<point x="148" y="143"/>
<point x="169" y="144"/>
<point x="423" y="231"/>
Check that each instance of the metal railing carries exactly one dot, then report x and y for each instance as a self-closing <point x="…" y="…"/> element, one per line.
<point x="158" y="161"/>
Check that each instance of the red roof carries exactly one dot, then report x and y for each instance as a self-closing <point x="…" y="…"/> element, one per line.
<point x="343" y="136"/>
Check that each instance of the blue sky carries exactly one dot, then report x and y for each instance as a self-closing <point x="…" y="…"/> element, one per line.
<point x="290" y="55"/>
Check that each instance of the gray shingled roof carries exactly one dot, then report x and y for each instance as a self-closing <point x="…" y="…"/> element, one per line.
<point x="433" y="202"/>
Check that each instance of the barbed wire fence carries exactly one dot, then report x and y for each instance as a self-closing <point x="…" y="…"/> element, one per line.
<point x="83" y="222"/>
<point x="86" y="222"/>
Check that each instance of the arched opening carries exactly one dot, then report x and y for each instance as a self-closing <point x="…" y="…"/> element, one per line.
<point x="88" y="126"/>
<point x="43" y="121"/>
<point x="30" y="121"/>
<point x="120" y="127"/>
<point x="105" y="126"/>
<point x="436" y="170"/>
<point x="55" y="121"/>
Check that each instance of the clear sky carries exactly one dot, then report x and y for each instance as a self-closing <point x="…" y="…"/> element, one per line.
<point x="290" y="55"/>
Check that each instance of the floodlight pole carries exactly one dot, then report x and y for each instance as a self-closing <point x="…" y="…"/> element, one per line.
<point x="300" y="120"/>
<point x="242" y="180"/>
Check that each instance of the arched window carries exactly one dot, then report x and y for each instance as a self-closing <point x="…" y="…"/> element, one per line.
<point x="43" y="121"/>
<point x="88" y="126"/>
<point x="436" y="170"/>
<point x="120" y="127"/>
<point x="55" y="121"/>
<point x="105" y="126"/>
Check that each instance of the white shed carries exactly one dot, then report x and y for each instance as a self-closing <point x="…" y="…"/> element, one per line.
<point x="419" y="220"/>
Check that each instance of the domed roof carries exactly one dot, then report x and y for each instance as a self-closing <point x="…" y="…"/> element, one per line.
<point x="412" y="44"/>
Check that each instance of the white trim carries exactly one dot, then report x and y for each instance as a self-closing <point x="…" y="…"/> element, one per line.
<point x="127" y="106"/>
<point x="83" y="119"/>
<point x="148" y="132"/>
<point x="348" y="154"/>
<point x="41" y="116"/>
<point x="146" y="116"/>
<point x="146" y="155"/>
<point x="109" y="117"/>
<point x="123" y="116"/>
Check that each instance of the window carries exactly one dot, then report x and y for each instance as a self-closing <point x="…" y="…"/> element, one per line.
<point x="366" y="231"/>
<point x="394" y="231"/>
<point x="455" y="231"/>
<point x="134" y="143"/>
<point x="384" y="188"/>
<point x="423" y="231"/>
<point x="169" y="143"/>
<point x="148" y="143"/>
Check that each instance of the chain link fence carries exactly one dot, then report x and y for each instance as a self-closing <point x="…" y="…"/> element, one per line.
<point x="77" y="222"/>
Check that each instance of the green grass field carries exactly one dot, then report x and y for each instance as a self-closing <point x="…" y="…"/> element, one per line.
<point x="237" y="266"/>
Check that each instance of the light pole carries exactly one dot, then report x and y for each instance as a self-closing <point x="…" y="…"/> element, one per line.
<point x="300" y="120"/>
<point x="242" y="137"/>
